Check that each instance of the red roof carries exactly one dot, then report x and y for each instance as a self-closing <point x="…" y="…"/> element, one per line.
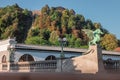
<point x="117" y="49"/>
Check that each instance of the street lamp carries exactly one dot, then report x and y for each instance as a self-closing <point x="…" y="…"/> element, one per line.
<point x="11" y="49"/>
<point x="62" y="42"/>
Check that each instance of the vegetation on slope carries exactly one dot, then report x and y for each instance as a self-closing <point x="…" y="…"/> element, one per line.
<point x="14" y="22"/>
<point x="44" y="27"/>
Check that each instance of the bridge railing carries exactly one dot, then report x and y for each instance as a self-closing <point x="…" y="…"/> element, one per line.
<point x="4" y="66"/>
<point x="112" y="64"/>
<point x="50" y="66"/>
<point x="37" y="66"/>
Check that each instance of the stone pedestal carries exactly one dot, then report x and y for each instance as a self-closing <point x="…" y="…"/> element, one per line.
<point x="91" y="62"/>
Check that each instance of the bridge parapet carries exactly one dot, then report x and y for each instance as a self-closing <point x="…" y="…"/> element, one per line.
<point x="36" y="66"/>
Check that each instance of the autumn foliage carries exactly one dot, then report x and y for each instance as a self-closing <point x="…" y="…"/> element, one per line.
<point x="45" y="26"/>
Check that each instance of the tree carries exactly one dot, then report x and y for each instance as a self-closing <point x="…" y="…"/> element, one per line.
<point x="78" y="42"/>
<point x="79" y="19"/>
<point x="109" y="42"/>
<point x="36" y="40"/>
<point x="71" y="21"/>
<point x="33" y="32"/>
<point x="72" y="12"/>
<point x="65" y="18"/>
<point x="55" y="16"/>
<point x="14" y="21"/>
<point x="54" y="38"/>
<point x="89" y="24"/>
<point x="47" y="25"/>
<point x="45" y="10"/>
<point x="26" y="12"/>
<point x="44" y="34"/>
<point x="70" y="40"/>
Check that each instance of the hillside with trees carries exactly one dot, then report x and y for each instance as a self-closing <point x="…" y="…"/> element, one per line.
<point x="15" y="22"/>
<point x="45" y="26"/>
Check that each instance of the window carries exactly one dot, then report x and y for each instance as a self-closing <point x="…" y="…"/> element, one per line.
<point x="26" y="57"/>
<point x="51" y="57"/>
<point x="4" y="59"/>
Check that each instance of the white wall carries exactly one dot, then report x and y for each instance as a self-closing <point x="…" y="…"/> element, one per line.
<point x="4" y="47"/>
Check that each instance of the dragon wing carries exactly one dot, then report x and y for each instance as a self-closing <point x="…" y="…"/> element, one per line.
<point x="89" y="33"/>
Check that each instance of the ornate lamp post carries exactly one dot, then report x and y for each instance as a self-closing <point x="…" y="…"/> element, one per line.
<point x="11" y="49"/>
<point x="62" y="42"/>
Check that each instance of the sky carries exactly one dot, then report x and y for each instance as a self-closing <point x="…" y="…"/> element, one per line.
<point x="106" y="12"/>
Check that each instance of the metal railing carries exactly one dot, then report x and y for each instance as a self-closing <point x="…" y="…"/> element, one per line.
<point x="111" y="64"/>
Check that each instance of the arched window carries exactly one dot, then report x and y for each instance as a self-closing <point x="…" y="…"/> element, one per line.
<point x="4" y="59"/>
<point x="51" y="57"/>
<point x="72" y="56"/>
<point x="26" y="57"/>
<point x="109" y="59"/>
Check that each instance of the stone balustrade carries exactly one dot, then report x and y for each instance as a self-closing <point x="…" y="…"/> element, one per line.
<point x="51" y="66"/>
<point x="37" y="66"/>
<point x="4" y="66"/>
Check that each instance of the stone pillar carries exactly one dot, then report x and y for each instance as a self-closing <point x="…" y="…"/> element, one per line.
<point x="59" y="65"/>
<point x="100" y="60"/>
<point x="8" y="66"/>
<point x="0" y="67"/>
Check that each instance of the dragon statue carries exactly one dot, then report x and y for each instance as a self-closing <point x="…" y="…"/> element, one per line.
<point x="94" y="36"/>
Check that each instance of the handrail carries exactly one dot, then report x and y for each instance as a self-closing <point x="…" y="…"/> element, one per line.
<point x="34" y="66"/>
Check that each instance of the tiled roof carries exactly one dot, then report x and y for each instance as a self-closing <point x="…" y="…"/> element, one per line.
<point x="117" y="49"/>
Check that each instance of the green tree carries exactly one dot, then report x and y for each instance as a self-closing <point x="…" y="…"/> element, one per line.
<point x="44" y="34"/>
<point x="54" y="38"/>
<point x="55" y="16"/>
<point x="14" y="22"/>
<point x="79" y="19"/>
<point x="72" y="12"/>
<point x="78" y="42"/>
<point x="109" y="42"/>
<point x="26" y="12"/>
<point x="89" y="24"/>
<point x="33" y="32"/>
<point x="45" y="10"/>
<point x="36" y="40"/>
<point x="70" y="40"/>
<point x="65" y="18"/>
<point x="71" y="22"/>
